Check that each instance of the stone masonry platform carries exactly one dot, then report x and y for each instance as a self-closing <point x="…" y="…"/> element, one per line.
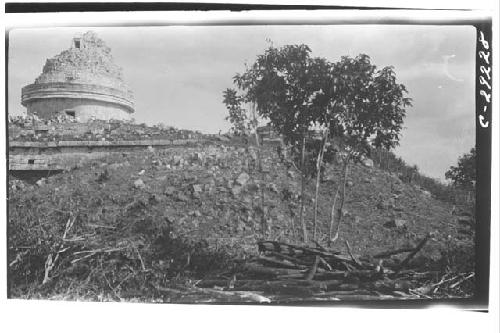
<point x="63" y="155"/>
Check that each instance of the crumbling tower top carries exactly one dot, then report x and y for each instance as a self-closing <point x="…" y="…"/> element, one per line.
<point x="82" y="81"/>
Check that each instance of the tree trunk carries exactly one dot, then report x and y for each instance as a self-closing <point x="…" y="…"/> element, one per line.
<point x="263" y="224"/>
<point x="318" y="177"/>
<point x="332" y="214"/>
<point x="302" y="190"/>
<point x="346" y="166"/>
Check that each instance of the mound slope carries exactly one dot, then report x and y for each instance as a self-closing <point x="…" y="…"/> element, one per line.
<point x="190" y="212"/>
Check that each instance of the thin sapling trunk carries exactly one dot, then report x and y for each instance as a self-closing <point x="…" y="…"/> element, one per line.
<point x="342" y="200"/>
<point x="319" y="161"/>
<point x="263" y="223"/>
<point x="332" y="214"/>
<point x="302" y="190"/>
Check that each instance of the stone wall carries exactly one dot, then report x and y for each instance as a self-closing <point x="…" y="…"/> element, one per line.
<point x="84" y="109"/>
<point x="64" y="155"/>
<point x="57" y="144"/>
<point x="62" y="161"/>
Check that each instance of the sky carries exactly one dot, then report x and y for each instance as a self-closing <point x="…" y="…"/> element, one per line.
<point x="178" y="73"/>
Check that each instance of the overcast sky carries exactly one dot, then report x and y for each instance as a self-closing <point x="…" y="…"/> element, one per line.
<point x="178" y="73"/>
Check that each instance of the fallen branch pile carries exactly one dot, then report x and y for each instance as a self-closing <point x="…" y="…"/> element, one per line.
<point x="286" y="273"/>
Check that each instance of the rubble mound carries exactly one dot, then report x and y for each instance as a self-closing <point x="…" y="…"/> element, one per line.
<point x="146" y="225"/>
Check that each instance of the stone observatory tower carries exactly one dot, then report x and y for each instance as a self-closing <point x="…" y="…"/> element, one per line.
<point x="81" y="82"/>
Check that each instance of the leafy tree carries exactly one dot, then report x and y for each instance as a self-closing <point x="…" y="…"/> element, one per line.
<point x="464" y="174"/>
<point x="351" y="102"/>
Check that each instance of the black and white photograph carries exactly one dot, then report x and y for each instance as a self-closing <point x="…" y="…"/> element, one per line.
<point x="337" y="161"/>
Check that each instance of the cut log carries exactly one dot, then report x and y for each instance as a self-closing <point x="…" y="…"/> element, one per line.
<point x="388" y="285"/>
<point x="414" y="252"/>
<point x="279" y="263"/>
<point x="271" y="272"/>
<point x="366" y="275"/>
<point x="295" y="260"/>
<point x="221" y="283"/>
<point x="347" y="286"/>
<point x="264" y="285"/>
<point x="387" y="254"/>
<point x="292" y="249"/>
<point x="325" y="264"/>
<point x="344" y="292"/>
<point x="314" y="268"/>
<point x="364" y="297"/>
<point x="332" y="284"/>
<point x="234" y="295"/>
<point x="319" y="246"/>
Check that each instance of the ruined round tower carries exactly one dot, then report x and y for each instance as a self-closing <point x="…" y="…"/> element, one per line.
<point x="82" y="82"/>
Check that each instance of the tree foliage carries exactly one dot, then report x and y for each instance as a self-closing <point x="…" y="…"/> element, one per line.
<point x="358" y="103"/>
<point x="464" y="174"/>
<point x="361" y="105"/>
<point x="280" y="84"/>
<point x="238" y="116"/>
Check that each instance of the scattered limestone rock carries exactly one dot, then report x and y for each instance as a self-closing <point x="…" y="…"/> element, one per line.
<point x="139" y="184"/>
<point x="223" y="138"/>
<point x="210" y="188"/>
<point x="236" y="190"/>
<point x="197" y="188"/>
<point x="273" y="188"/>
<point x="18" y="185"/>
<point x="242" y="179"/>
<point x="195" y="213"/>
<point x="198" y="157"/>
<point x="426" y="194"/>
<point x="181" y="197"/>
<point x="169" y="190"/>
<point x="177" y="160"/>
<point x="265" y="168"/>
<point x="396" y="223"/>
<point x="41" y="182"/>
<point x="367" y="163"/>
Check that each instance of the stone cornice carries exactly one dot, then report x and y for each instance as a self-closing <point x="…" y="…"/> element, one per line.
<point x="77" y="91"/>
